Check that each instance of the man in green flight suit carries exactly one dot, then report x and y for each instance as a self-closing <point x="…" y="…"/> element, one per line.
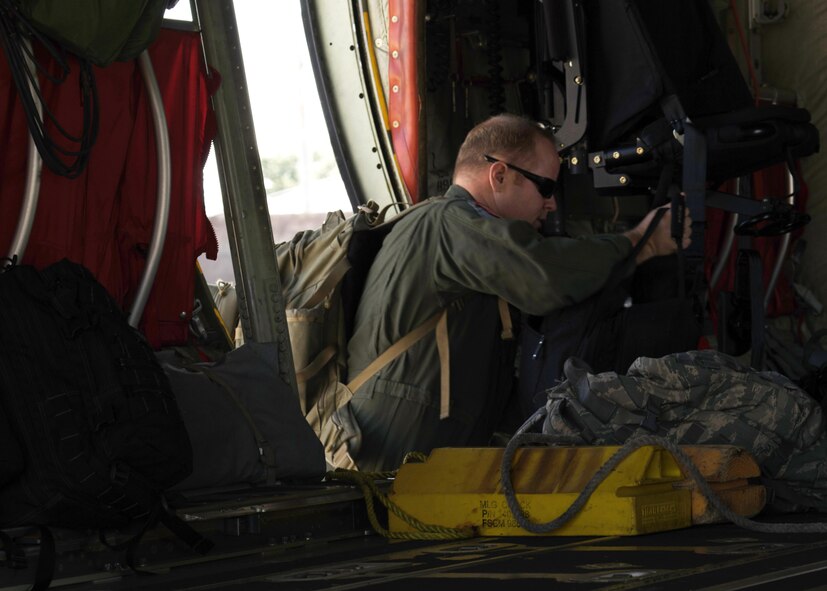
<point x="464" y="252"/>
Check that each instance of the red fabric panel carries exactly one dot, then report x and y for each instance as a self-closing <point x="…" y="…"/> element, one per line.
<point x="75" y="218"/>
<point x="176" y="59"/>
<point x="404" y="106"/>
<point x="103" y="219"/>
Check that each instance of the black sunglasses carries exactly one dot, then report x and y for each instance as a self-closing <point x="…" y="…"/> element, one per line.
<point x="545" y="185"/>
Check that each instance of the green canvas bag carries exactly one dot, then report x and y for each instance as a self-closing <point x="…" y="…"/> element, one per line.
<point x="322" y="273"/>
<point x="101" y="31"/>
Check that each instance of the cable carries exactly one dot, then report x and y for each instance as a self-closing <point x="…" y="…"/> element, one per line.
<point x="366" y="481"/>
<point x="621" y="454"/>
<point x="13" y="27"/>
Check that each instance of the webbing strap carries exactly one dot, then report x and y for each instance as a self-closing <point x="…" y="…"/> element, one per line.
<point x="199" y="544"/>
<point x="756" y="306"/>
<point x="678" y="214"/>
<point x="505" y="317"/>
<point x="312" y="368"/>
<point x="161" y="512"/>
<point x="136" y="488"/>
<point x="615" y="277"/>
<point x="45" y="569"/>
<point x="442" y="346"/>
<point x="438" y="322"/>
<point x="342" y="459"/>
<point x="396" y="350"/>
<point x="329" y="284"/>
<point x="14" y="557"/>
<point x="610" y="413"/>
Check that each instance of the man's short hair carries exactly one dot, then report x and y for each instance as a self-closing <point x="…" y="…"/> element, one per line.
<point x="506" y="135"/>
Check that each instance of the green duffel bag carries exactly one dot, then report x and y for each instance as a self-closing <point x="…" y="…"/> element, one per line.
<point x="243" y="421"/>
<point x="102" y="31"/>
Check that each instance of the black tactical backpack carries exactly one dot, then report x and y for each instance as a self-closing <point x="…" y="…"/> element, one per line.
<point x="93" y="434"/>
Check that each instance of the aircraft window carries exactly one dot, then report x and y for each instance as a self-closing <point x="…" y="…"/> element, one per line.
<point x="300" y="173"/>
<point x="180" y="12"/>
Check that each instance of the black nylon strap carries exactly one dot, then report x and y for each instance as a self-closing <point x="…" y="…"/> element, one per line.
<point x="575" y="422"/>
<point x="576" y="373"/>
<point x="46" y="560"/>
<point x="199" y="544"/>
<point x="14" y="557"/>
<point x="615" y="276"/>
<point x="139" y="490"/>
<point x="161" y="513"/>
<point x="756" y="306"/>
<point x="175" y="524"/>
<point x="678" y="213"/>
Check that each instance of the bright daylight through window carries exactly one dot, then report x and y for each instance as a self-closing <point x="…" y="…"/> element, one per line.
<point x="300" y="173"/>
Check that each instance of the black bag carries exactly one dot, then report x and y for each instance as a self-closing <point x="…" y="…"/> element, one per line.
<point x="11" y="456"/>
<point x="604" y="330"/>
<point x="547" y="341"/>
<point x="607" y="336"/>
<point x="244" y="421"/>
<point x="97" y="430"/>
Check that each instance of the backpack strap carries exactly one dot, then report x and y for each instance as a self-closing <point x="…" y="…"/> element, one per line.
<point x="334" y="278"/>
<point x="505" y="317"/>
<point x="405" y="343"/>
<point x="315" y="366"/>
<point x="439" y="323"/>
<point x="443" y="348"/>
<point x="329" y="284"/>
<point x="396" y="350"/>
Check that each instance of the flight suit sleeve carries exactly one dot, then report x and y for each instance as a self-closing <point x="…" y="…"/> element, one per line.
<point x="509" y="259"/>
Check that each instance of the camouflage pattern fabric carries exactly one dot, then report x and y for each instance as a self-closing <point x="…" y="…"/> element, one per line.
<point x="700" y="397"/>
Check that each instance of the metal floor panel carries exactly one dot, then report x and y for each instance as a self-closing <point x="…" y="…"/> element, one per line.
<point x="318" y="541"/>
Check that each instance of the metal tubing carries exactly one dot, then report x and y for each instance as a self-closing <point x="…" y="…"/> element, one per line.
<point x="34" y="165"/>
<point x="782" y="250"/>
<point x="723" y="258"/>
<point x="159" y="230"/>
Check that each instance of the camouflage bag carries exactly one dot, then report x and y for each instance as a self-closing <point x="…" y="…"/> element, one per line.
<point x="700" y="397"/>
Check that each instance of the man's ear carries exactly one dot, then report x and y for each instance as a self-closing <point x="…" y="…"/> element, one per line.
<point x="496" y="175"/>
